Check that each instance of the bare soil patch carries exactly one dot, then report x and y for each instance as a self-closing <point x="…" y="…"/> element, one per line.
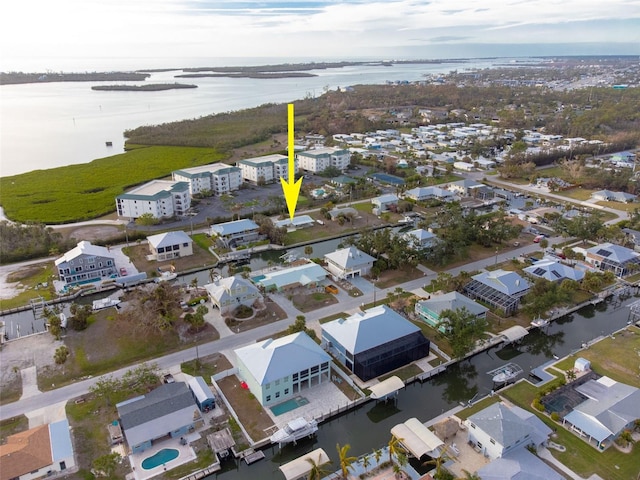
<point x="250" y="413"/>
<point x="272" y="313"/>
<point x="138" y="256"/>
<point x="308" y="301"/>
<point x="390" y="278"/>
<point x="93" y="233"/>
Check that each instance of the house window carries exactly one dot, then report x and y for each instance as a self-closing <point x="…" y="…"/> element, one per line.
<point x="267" y="386"/>
<point x="492" y="441"/>
<point x="285" y="379"/>
<point x="314" y="370"/>
<point x="268" y="398"/>
<point x="324" y="366"/>
<point x="277" y="394"/>
<point x="277" y="382"/>
<point x="295" y="377"/>
<point x="472" y="425"/>
<point x="185" y="245"/>
<point x="286" y="391"/>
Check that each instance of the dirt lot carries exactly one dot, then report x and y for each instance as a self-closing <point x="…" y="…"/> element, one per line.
<point x="138" y="255"/>
<point x="272" y="313"/>
<point x="308" y="301"/>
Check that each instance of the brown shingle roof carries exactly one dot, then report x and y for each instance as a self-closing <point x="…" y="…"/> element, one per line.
<point x="25" y="452"/>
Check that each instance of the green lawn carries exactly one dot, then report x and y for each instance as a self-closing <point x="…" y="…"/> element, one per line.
<point x="87" y="191"/>
<point x="404" y="373"/>
<point x="577" y="193"/>
<point x="30" y="277"/>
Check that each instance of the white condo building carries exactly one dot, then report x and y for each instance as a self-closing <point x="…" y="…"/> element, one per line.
<point x="318" y="159"/>
<point x="217" y="178"/>
<point x="160" y="198"/>
<point x="267" y="169"/>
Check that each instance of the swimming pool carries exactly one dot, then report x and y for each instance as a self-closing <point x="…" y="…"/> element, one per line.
<point x="163" y="456"/>
<point x="289" y="405"/>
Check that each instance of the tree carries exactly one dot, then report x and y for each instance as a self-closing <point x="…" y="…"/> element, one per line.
<point x="395" y="448"/>
<point x="308" y="250"/>
<point x="344" y="459"/>
<point x="300" y="325"/>
<point x="196" y="320"/>
<point x="377" y="454"/>
<point x="317" y="469"/>
<point x="107" y="388"/>
<point x="366" y="462"/>
<point x="571" y="374"/>
<point x="462" y="328"/>
<point x="438" y="462"/>
<point x="106" y="465"/>
<point x="55" y="325"/>
<point x="146" y="219"/>
<point x="80" y="315"/>
<point x="61" y="354"/>
<point x="468" y="476"/>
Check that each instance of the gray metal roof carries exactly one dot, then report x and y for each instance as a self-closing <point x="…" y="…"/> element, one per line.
<point x="452" y="301"/>
<point x="349" y="257"/>
<point x="225" y="288"/>
<point x="509" y="283"/>
<point x="232" y="228"/>
<point x="613" y="252"/>
<point x="519" y="464"/>
<point x="371" y="328"/>
<point x="553" y="271"/>
<point x="168" y="238"/>
<point x="84" y="248"/>
<point x="272" y="360"/>
<point x="301" y="274"/>
<point x="200" y="389"/>
<point x="61" y="447"/>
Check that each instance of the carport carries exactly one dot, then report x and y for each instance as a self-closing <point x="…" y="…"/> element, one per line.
<point x="301" y="466"/>
<point x="417" y="439"/>
<point x="515" y="333"/>
<point x="386" y="388"/>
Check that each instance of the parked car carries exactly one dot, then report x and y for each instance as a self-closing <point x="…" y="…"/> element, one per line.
<point x="168" y="378"/>
<point x="123" y="272"/>
<point x="538" y="238"/>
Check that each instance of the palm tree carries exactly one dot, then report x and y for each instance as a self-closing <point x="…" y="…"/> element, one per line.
<point x="395" y="448"/>
<point x="366" y="463"/>
<point x="345" y="460"/>
<point x="317" y="470"/>
<point x="438" y="462"/>
<point x="377" y="454"/>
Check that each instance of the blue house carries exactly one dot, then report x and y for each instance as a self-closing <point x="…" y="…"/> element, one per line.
<point x="202" y="394"/>
<point x="169" y="410"/>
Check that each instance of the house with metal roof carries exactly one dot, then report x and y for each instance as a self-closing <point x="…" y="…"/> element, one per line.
<point x="169" y="245"/>
<point x="266" y="169"/>
<point x="307" y="275"/>
<point x="168" y="410"/>
<point x="384" y="203"/>
<point x="518" y="464"/>
<point x="609" y="408"/>
<point x="160" y="198"/>
<point x="499" y="288"/>
<point x="499" y="429"/>
<point x="430" y="310"/>
<point x="632" y="237"/>
<point x="554" y="271"/>
<point x="202" y="393"/>
<point x="420" y="239"/>
<point x="216" y="178"/>
<point x="237" y="232"/>
<point x="374" y="342"/>
<point x="608" y="256"/>
<point x="469" y="188"/>
<point x="337" y="212"/>
<point x="609" y="196"/>
<point x="300" y="221"/>
<point x="86" y="263"/>
<point x="349" y="262"/>
<point x="229" y="293"/>
<point x="421" y="194"/>
<point x="38" y="452"/>
<point x="276" y="370"/>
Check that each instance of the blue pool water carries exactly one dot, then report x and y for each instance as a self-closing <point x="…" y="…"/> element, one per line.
<point x="257" y="278"/>
<point x="289" y="405"/>
<point x="163" y="456"/>
<point x="386" y="178"/>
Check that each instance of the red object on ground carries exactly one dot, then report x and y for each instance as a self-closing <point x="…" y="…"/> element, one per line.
<point x="244" y="385"/>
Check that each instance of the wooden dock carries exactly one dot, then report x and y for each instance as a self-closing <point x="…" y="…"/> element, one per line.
<point x="251" y="456"/>
<point x="205" y="472"/>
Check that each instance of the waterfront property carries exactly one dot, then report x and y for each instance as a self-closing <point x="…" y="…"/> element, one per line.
<point x="38" y="452"/>
<point x="216" y="178"/>
<point x="417" y="439"/>
<point x="500" y="428"/>
<point x="384" y="203"/>
<point x="318" y="159"/>
<point x="420" y="239"/>
<point x="85" y="263"/>
<point x="167" y="411"/>
<point x="229" y="293"/>
<point x="159" y="198"/>
<point x="610" y="408"/>
<point x="421" y="194"/>
<point x="169" y="245"/>
<point x="374" y="342"/>
<point x="608" y="256"/>
<point x="237" y="232"/>
<point x="430" y="310"/>
<point x="518" y="464"/>
<point x="554" y="271"/>
<point x="306" y="275"/>
<point x="277" y="370"/>
<point x="266" y="169"/>
<point x="299" y="221"/>
<point x="469" y="188"/>
<point x="348" y="262"/>
<point x="202" y="394"/>
<point x="500" y="289"/>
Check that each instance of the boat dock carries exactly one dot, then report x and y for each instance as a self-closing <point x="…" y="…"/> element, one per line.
<point x="251" y="456"/>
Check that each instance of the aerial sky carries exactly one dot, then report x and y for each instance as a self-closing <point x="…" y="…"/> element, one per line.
<point x="54" y="33"/>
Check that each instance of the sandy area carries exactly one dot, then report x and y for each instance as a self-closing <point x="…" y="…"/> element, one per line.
<point x="25" y="352"/>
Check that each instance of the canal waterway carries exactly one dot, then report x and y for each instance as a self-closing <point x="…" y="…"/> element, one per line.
<point x="368" y="426"/>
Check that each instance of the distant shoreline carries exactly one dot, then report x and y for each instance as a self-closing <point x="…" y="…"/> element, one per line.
<point x="258" y="75"/>
<point x="15" y="78"/>
<point x="152" y="87"/>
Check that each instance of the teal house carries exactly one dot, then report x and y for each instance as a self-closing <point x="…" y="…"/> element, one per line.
<point x="430" y="310"/>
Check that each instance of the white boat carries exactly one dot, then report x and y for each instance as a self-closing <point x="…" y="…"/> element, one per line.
<point x="295" y="430"/>
<point x="105" y="303"/>
<point x="539" y="322"/>
<point x="166" y="276"/>
<point x="505" y="375"/>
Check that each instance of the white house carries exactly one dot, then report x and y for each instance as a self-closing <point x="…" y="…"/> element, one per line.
<point x="237" y="232"/>
<point x="384" y="203"/>
<point x="276" y="370"/>
<point x="499" y="429"/>
<point x="84" y="263"/>
<point x="229" y="293"/>
<point x="609" y="256"/>
<point x="348" y="262"/>
<point x="554" y="271"/>
<point x="464" y="166"/>
<point x="267" y="169"/>
<point x="170" y="245"/>
<point x="160" y="198"/>
<point x="310" y="274"/>
<point x="217" y="178"/>
<point x="319" y="159"/>
<point x="420" y="239"/>
<point x="37" y="453"/>
<point x="420" y="194"/>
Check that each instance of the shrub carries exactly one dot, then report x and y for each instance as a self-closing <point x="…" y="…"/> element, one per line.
<point x="555" y="416"/>
<point x="538" y="405"/>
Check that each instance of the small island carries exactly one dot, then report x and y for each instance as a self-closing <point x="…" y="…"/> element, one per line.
<point x="12" y="78"/>
<point x="152" y="87"/>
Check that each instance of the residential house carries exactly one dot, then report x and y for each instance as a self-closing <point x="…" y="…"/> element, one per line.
<point x="500" y="288"/>
<point x="633" y="237"/>
<point x="420" y="239"/>
<point x="202" y="393"/>
<point x="485" y="164"/>
<point x="609" y="196"/>
<point x="430" y="310"/>
<point x="470" y="188"/>
<point x="170" y="245"/>
<point x="276" y="370"/>
<point x="159" y="198"/>
<point x="554" y="271"/>
<point x="216" y="179"/>
<point x="237" y="232"/>
<point x="166" y="411"/>
<point x="86" y="263"/>
<point x="307" y="275"/>
<point x="266" y="169"/>
<point x="319" y="159"/>
<point x="37" y="453"/>
<point x="337" y="212"/>
<point x="620" y="260"/>
<point x="229" y="293"/>
<point x="609" y="408"/>
<point x="500" y="429"/>
<point x="421" y="194"/>
<point x="384" y="203"/>
<point x="464" y="166"/>
<point x="374" y="342"/>
<point x="349" y="262"/>
<point x="299" y="221"/>
<point x="517" y="465"/>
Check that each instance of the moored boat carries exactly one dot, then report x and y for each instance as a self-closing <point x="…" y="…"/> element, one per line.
<point x="294" y="430"/>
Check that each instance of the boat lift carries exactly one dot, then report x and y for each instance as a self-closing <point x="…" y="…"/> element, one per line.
<point x="505" y="374"/>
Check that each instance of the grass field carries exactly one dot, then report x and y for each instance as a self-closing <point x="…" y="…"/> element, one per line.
<point x="87" y="191"/>
<point x="27" y="281"/>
